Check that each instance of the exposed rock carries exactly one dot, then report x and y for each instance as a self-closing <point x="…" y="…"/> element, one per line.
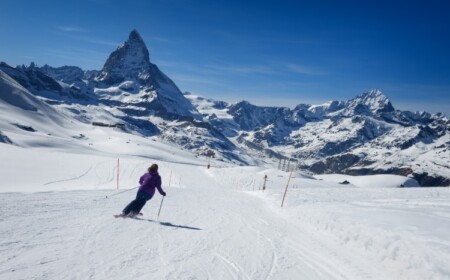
<point x="4" y="139"/>
<point x="335" y="164"/>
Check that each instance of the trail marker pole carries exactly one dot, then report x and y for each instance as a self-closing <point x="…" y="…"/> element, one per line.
<point x="265" y="179"/>
<point x="285" y="191"/>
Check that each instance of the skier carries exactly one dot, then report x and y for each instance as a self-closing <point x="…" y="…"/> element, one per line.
<point x="149" y="181"/>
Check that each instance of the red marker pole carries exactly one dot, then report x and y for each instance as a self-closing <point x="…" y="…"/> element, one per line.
<point x="285" y="191"/>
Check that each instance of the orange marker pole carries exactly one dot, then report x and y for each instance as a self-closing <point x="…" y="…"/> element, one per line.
<point x="285" y="191"/>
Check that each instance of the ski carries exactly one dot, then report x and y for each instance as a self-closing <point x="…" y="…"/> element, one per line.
<point x="125" y="216"/>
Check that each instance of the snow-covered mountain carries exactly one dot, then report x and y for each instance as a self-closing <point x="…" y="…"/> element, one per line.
<point x="16" y="102"/>
<point x="129" y="92"/>
<point x="364" y="135"/>
<point x="26" y="120"/>
<point x="128" y="73"/>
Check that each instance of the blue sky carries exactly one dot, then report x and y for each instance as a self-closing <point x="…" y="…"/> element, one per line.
<point x="275" y="53"/>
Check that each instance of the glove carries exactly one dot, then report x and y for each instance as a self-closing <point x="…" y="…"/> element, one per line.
<point x="164" y="194"/>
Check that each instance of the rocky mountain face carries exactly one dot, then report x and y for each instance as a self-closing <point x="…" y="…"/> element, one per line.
<point x="364" y="135"/>
<point x="130" y="69"/>
<point x="130" y="61"/>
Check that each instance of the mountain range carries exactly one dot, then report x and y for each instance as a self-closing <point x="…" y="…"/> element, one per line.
<point x="364" y="135"/>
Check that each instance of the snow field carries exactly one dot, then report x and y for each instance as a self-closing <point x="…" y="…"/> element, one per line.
<point x="214" y="223"/>
<point x="402" y="231"/>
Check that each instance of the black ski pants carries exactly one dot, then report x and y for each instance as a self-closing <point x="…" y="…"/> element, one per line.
<point x="138" y="203"/>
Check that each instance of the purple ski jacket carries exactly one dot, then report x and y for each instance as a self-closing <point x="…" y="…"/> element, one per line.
<point x="150" y="181"/>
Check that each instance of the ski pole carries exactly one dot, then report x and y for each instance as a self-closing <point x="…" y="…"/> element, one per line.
<point x="122" y="192"/>
<point x="160" y="206"/>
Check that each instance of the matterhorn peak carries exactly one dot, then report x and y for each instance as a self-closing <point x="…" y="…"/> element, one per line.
<point x="129" y="61"/>
<point x="129" y="70"/>
<point x="136" y="43"/>
<point x="135" y="36"/>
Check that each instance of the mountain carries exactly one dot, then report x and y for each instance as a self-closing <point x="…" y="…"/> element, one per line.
<point x="24" y="113"/>
<point x="129" y="69"/>
<point x="364" y="135"/>
<point x="370" y="103"/>
<point x="129" y="92"/>
<point x="41" y="84"/>
<point x="130" y="61"/>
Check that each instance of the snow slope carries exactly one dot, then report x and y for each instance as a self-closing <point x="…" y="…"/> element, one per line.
<point x="371" y="181"/>
<point x="214" y="224"/>
<point x="25" y="119"/>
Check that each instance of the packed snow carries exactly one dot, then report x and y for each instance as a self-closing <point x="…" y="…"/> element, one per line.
<point x="58" y="202"/>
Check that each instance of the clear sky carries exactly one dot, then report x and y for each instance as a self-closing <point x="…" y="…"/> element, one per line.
<point x="275" y="53"/>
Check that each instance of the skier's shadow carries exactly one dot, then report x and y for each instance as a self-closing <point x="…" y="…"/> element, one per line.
<point x="167" y="224"/>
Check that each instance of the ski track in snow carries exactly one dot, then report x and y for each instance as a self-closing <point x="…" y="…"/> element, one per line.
<point x="218" y="229"/>
<point x="88" y="243"/>
<point x="70" y="179"/>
